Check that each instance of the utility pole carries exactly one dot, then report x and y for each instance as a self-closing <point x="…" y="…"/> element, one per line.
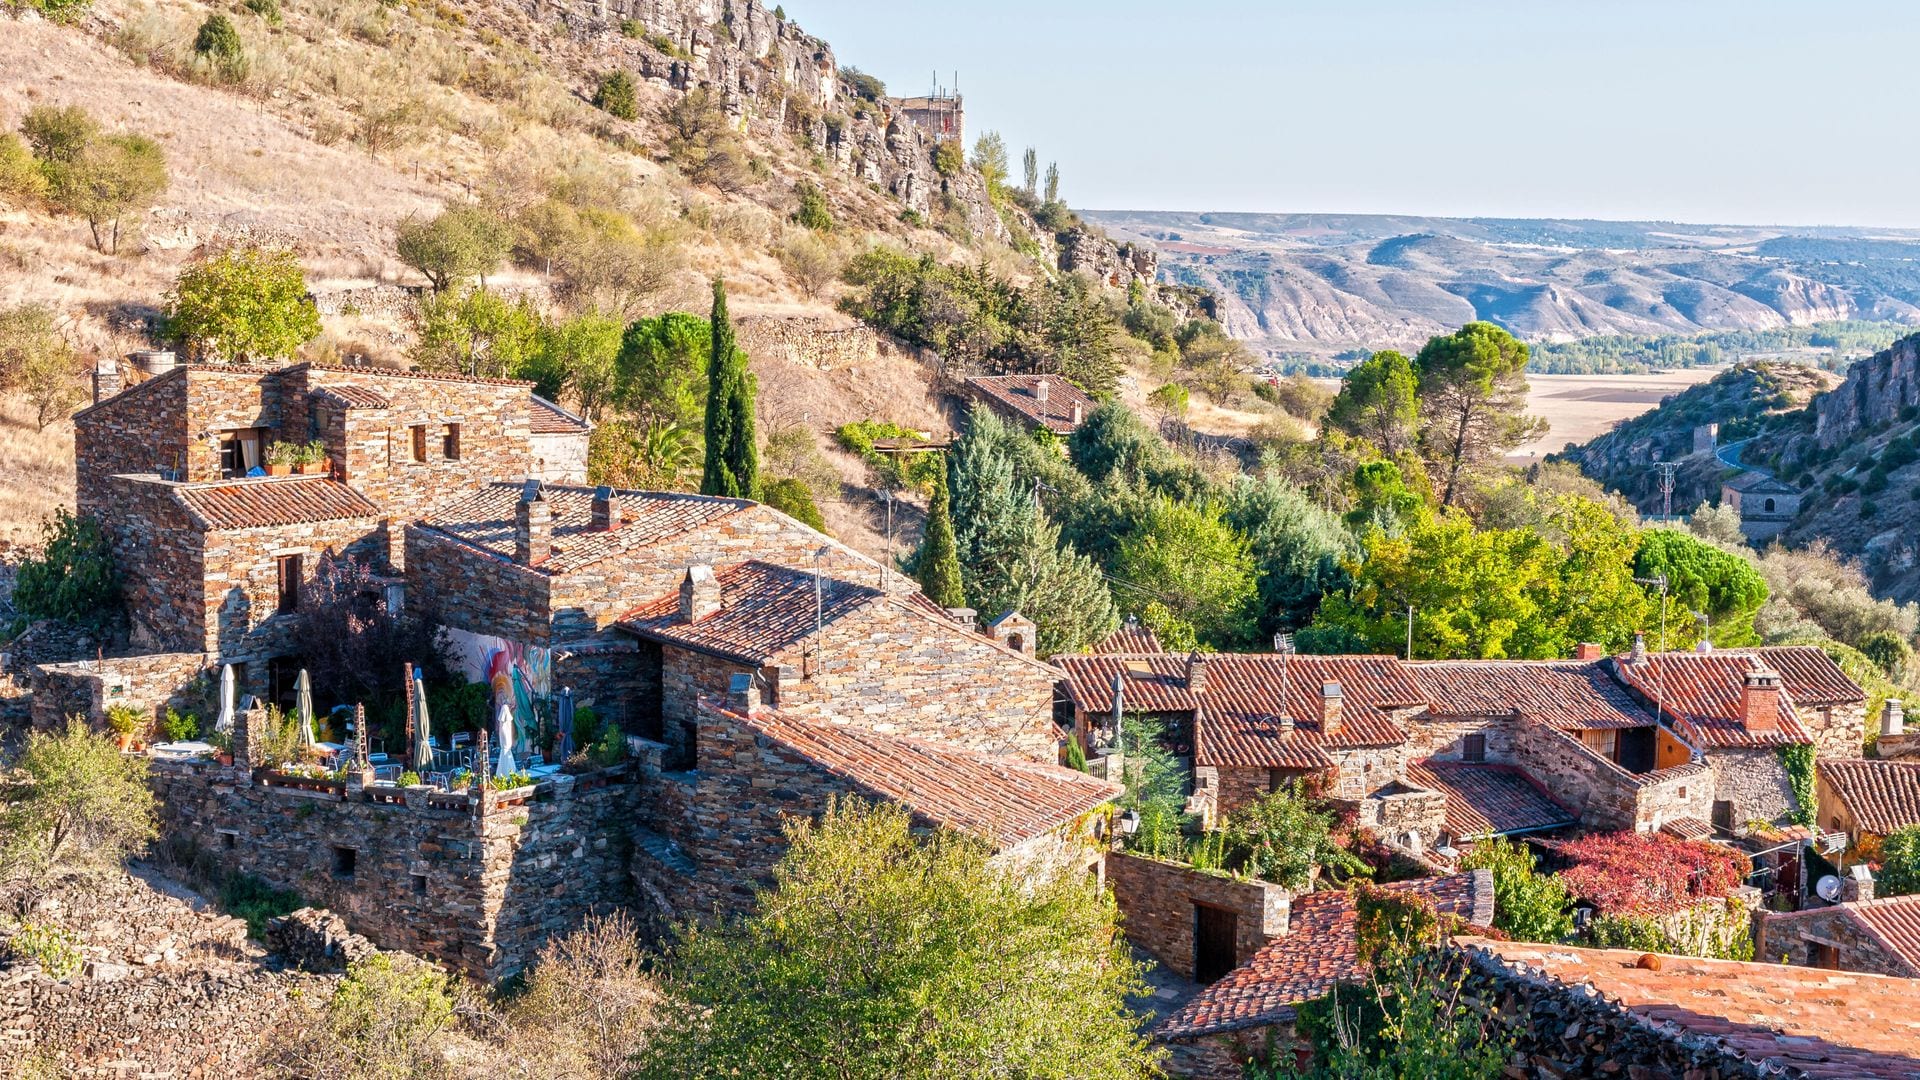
<point x="1659" y="581"/>
<point x="887" y="495"/>
<point x="1409" y="631"/>
<point x="1667" y="469"/>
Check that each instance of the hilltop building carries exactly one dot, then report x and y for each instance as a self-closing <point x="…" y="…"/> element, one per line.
<point x="1766" y="504"/>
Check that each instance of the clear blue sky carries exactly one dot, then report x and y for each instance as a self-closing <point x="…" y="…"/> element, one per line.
<point x="1741" y="111"/>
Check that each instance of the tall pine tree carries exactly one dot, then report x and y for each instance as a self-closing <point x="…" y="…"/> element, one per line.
<point x="733" y="460"/>
<point x="939" y="560"/>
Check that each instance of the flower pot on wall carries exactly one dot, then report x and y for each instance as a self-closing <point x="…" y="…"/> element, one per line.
<point x="279" y="470"/>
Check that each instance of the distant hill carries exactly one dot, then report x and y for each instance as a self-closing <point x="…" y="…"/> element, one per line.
<point x="1323" y="284"/>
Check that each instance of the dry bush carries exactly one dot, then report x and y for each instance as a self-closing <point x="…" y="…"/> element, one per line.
<point x="1815" y="585"/>
<point x="588" y="1004"/>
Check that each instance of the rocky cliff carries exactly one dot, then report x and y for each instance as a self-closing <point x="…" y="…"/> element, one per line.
<point x="1878" y="391"/>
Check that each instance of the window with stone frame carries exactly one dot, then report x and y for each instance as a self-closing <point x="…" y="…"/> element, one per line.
<point x="240" y="452"/>
<point x="1474" y="747"/>
<point x="450" y="442"/>
<point x="287" y="574"/>
<point x="1822" y="955"/>
<point x="419" y="438"/>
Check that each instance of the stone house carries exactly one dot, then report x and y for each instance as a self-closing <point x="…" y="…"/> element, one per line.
<point x="1243" y="1012"/>
<point x="1766" y="504"/>
<point x="710" y="835"/>
<point x="1034" y="401"/>
<point x="1878" y="936"/>
<point x="1867" y="798"/>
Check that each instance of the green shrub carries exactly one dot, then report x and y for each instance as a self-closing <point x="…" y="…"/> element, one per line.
<point x="617" y="96"/>
<point x="218" y="43"/>
<point x="21" y="181"/>
<point x="611" y="750"/>
<point x="1527" y="905"/>
<point x="794" y="498"/>
<point x="266" y="9"/>
<point x="178" y="727"/>
<point x="813" y="212"/>
<point x="408" y="778"/>
<point x="124" y="720"/>
<point x="1900" y="862"/>
<point x="948" y="158"/>
<point x="1637" y="932"/>
<point x="1076" y="757"/>
<point x="56" y="951"/>
<point x="250" y="898"/>
<point x="73" y="578"/>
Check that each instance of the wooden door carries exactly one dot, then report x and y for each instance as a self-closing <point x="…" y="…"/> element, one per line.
<point x="1213" y="934"/>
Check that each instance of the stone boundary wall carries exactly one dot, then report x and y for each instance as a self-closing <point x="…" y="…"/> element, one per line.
<point x="1605" y="795"/>
<point x="1156" y="901"/>
<point x="150" y="683"/>
<point x="808" y="342"/>
<point x="476" y="886"/>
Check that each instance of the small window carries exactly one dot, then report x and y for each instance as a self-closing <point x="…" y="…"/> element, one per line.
<point x="1276" y="779"/>
<point x="419" y="443"/>
<point x="344" y="859"/>
<point x="420" y="884"/>
<point x="1474" y="747"/>
<point x="287" y="568"/>
<point x="239" y="452"/>
<point x="450" y="442"/>
<point x="1823" y="956"/>
<point x="1769" y="506"/>
<point x="229" y="840"/>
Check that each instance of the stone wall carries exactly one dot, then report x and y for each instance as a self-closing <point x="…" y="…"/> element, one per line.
<point x="1839" y="731"/>
<point x="559" y="459"/>
<point x="478" y="887"/>
<point x="1157" y="898"/>
<point x="1605" y="795"/>
<point x="456" y="585"/>
<point x="151" y="683"/>
<point x="241" y="584"/>
<point x="1413" y="817"/>
<point x="615" y="677"/>
<point x="1754" y="781"/>
<point x="157" y="551"/>
<point x="809" y="342"/>
<point x="1791" y="938"/>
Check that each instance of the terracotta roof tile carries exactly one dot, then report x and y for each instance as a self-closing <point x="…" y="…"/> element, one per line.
<point x="485" y="519"/>
<point x="1020" y="393"/>
<point x="251" y="504"/>
<point x="1236" y="725"/>
<point x="551" y="419"/>
<point x="1688" y="828"/>
<point x="1702" y="691"/>
<point x="1130" y="638"/>
<point x="1569" y="694"/>
<point x="1004" y="799"/>
<point x="1825" y="1024"/>
<point x="1489" y="800"/>
<point x="1318" y="952"/>
<point x="764" y="611"/>
<point x="349" y="396"/>
<point x="396" y="373"/>
<point x="1881" y="795"/>
<point x="1809" y="675"/>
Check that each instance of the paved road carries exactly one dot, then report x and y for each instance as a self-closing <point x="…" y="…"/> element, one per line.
<point x="1729" y="455"/>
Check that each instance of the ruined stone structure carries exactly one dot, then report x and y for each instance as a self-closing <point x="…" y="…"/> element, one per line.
<point x="1166" y="903"/>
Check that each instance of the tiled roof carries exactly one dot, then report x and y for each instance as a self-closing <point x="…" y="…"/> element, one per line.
<point x="1130" y="638"/>
<point x="1569" y="694"/>
<point x="1489" y="800"/>
<point x="551" y="419"/>
<point x="1236" y="722"/>
<point x="1755" y="480"/>
<point x="1007" y="800"/>
<point x="1702" y="690"/>
<point x="1318" y="951"/>
<point x="1831" y="1025"/>
<point x="1020" y="393"/>
<point x="397" y="373"/>
<point x="1893" y="922"/>
<point x="764" y="610"/>
<point x="485" y="519"/>
<point x="1810" y="676"/>
<point x="251" y="504"/>
<point x="1881" y="795"/>
<point x="1688" y="828"/>
<point x="348" y="396"/>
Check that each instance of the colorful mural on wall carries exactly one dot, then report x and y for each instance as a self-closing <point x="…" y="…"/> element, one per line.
<point x="517" y="674"/>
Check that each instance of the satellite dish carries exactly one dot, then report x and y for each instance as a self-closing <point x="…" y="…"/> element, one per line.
<point x="1827" y="888"/>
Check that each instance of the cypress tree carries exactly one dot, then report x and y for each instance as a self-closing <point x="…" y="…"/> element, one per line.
<point x="939" y="559"/>
<point x="733" y="460"/>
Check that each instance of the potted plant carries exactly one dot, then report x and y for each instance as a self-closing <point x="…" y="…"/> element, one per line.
<point x="281" y="458"/>
<point x="123" y="721"/>
<point x="222" y="743"/>
<point x="313" y="458"/>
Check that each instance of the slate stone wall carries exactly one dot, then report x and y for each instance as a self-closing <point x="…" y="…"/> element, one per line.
<point x="1791" y="938"/>
<point x="1157" y="898"/>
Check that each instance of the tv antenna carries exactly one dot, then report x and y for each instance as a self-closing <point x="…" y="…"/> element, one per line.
<point x="1283" y="645"/>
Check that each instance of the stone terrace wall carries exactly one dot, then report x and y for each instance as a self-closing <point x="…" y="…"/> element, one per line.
<point x="151" y="683"/>
<point x="478" y="892"/>
<point x="1601" y="792"/>
<point x="813" y="343"/>
<point x="157" y="551"/>
<point x="1156" y="900"/>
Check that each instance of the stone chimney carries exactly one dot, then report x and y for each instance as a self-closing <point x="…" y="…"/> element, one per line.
<point x="1760" y="701"/>
<point x="1197" y="672"/>
<point x="1857" y="883"/>
<point x="1589" y="650"/>
<point x="106" y="379"/>
<point x="1639" y="654"/>
<point x="968" y="618"/>
<point x="699" y="593"/>
<point x="1076" y="414"/>
<point x="533" y="526"/>
<point x="743" y="689"/>
<point x="1893" y="718"/>
<point x="1331" y="702"/>
<point x="608" y="513"/>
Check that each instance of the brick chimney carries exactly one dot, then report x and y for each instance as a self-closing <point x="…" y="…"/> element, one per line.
<point x="1197" y="672"/>
<point x="1589" y="650"/>
<point x="699" y="593"/>
<point x="106" y="379"/>
<point x="1760" y="701"/>
<point x="533" y="526"/>
<point x="608" y="513"/>
<point x="1893" y="718"/>
<point x="1331" y="709"/>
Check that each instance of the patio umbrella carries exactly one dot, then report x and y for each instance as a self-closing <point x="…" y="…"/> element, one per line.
<point x="504" y="726"/>
<point x="563" y="720"/>
<point x="303" y="705"/>
<point x="225" y="723"/>
<point x="422" y="745"/>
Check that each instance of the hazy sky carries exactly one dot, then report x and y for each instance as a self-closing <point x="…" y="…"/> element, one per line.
<point x="1742" y="111"/>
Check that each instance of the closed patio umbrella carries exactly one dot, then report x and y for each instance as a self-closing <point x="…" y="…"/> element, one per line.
<point x="303" y="704"/>
<point x="563" y="720"/>
<point x="225" y="723"/>
<point x="504" y="732"/>
<point x="422" y="744"/>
